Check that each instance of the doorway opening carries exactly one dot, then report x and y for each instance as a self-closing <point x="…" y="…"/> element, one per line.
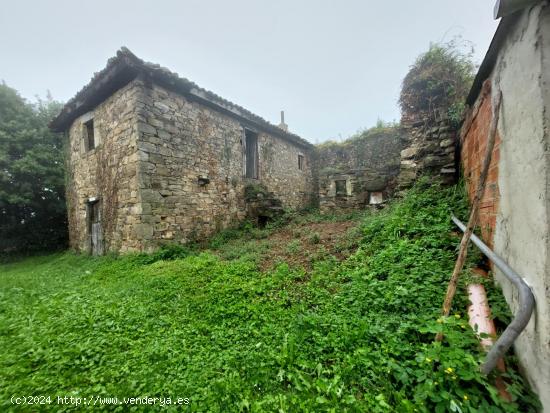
<point x="95" y="231"/>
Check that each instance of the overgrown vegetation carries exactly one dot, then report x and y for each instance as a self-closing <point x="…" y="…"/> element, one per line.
<point x="440" y="79"/>
<point x="32" y="197"/>
<point x="381" y="128"/>
<point x="354" y="335"/>
<point x="299" y="239"/>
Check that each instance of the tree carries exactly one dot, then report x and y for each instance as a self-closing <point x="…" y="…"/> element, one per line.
<point x="440" y="79"/>
<point x="32" y="197"/>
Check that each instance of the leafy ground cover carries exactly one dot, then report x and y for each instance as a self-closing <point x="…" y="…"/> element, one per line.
<point x="233" y="329"/>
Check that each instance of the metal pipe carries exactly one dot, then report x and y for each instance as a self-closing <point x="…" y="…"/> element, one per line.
<point x="523" y="314"/>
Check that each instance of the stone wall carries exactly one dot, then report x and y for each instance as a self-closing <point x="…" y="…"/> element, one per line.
<point x="361" y="188"/>
<point x="191" y="169"/>
<point x="369" y="164"/>
<point x="108" y="172"/>
<point x="429" y="148"/>
<point x="378" y="150"/>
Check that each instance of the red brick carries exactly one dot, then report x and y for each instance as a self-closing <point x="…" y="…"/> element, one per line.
<point x="473" y="153"/>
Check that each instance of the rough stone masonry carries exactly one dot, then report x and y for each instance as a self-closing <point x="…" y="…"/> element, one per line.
<point x="153" y="159"/>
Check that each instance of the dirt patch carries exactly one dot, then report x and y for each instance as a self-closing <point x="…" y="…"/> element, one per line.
<point x="301" y="245"/>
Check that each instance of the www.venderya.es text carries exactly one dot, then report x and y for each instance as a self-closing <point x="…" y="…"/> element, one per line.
<point x="94" y="400"/>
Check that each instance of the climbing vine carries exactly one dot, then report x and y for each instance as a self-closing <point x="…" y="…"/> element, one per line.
<point x="108" y="174"/>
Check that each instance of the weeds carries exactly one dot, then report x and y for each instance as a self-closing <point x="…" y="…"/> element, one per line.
<point x="293" y="247"/>
<point x="314" y="238"/>
<point x="353" y="335"/>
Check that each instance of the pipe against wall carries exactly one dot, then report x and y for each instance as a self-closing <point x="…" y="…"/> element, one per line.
<point x="523" y="314"/>
<point x="479" y="315"/>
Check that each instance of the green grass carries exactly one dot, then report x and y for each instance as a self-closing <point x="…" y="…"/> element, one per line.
<point x="353" y="336"/>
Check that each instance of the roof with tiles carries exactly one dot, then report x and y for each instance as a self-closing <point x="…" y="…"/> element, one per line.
<point x="126" y="66"/>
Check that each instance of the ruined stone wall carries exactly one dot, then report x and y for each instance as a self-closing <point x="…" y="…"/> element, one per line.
<point x="377" y="151"/>
<point x="107" y="172"/>
<point x="362" y="187"/>
<point x="429" y="148"/>
<point x="368" y="164"/>
<point x="191" y="168"/>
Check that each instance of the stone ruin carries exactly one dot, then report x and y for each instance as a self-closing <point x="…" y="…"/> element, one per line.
<point x="370" y="168"/>
<point x="153" y="159"/>
<point x="429" y="146"/>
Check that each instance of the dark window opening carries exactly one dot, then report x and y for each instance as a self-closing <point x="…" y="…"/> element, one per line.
<point x="301" y="162"/>
<point x="262" y="221"/>
<point x="93" y="212"/>
<point x="341" y="187"/>
<point x="89" y="138"/>
<point x="251" y="154"/>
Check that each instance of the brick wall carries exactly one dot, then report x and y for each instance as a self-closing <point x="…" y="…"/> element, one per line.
<point x="473" y="143"/>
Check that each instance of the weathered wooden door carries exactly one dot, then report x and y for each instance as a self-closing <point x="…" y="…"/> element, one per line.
<point x="95" y="228"/>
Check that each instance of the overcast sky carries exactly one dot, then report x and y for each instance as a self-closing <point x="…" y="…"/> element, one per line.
<point x="334" y="67"/>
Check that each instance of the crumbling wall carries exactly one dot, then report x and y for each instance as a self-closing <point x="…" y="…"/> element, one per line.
<point x="368" y="164"/>
<point x="429" y="147"/>
<point x="107" y="172"/>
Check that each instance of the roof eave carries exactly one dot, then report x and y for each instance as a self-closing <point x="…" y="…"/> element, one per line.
<point x="105" y="83"/>
<point x="489" y="61"/>
<point x="126" y="66"/>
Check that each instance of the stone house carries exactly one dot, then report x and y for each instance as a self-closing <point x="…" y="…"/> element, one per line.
<point x="153" y="158"/>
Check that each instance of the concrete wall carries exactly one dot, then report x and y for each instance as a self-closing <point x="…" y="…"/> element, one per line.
<point x="108" y="172"/>
<point x="522" y="224"/>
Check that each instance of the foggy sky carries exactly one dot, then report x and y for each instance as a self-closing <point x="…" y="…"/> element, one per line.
<point x="334" y="67"/>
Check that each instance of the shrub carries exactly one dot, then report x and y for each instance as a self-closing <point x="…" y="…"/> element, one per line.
<point x="314" y="238"/>
<point x="293" y="246"/>
<point x="165" y="253"/>
<point x="32" y="189"/>
<point x="245" y="229"/>
<point x="440" y="79"/>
